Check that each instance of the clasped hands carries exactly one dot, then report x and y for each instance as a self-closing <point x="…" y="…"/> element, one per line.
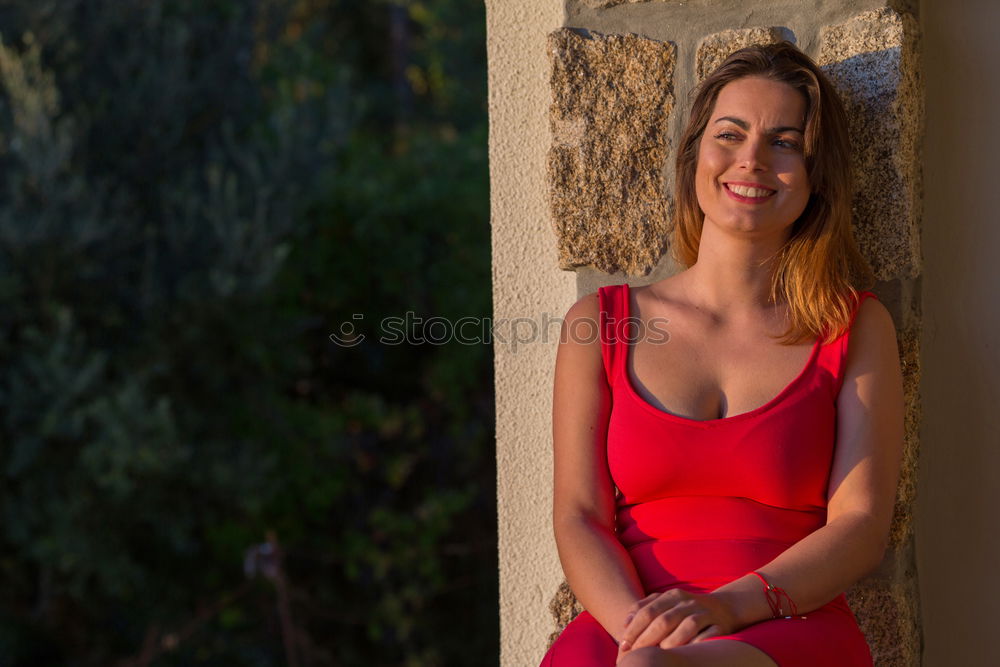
<point x="675" y="618"/>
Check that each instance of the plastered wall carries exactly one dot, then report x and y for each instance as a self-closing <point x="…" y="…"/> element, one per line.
<point x="528" y="287"/>
<point x="958" y="540"/>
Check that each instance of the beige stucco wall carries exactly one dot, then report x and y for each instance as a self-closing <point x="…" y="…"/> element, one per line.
<point x="958" y="541"/>
<point x="527" y="283"/>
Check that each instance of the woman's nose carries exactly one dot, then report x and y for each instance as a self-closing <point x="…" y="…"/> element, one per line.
<point x="753" y="154"/>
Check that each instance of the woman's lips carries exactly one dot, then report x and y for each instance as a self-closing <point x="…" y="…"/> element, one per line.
<point x="748" y="193"/>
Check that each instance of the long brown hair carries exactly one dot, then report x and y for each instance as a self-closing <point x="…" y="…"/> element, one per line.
<point x="819" y="271"/>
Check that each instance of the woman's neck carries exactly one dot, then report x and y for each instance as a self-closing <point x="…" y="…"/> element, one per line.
<point x="732" y="276"/>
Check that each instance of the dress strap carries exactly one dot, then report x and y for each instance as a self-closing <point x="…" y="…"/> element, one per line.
<point x="613" y="305"/>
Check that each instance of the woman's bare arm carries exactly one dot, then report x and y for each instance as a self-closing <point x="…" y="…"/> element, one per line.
<point x="597" y="566"/>
<point x="862" y="493"/>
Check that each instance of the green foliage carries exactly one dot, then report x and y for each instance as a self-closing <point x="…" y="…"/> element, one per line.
<point x="195" y="195"/>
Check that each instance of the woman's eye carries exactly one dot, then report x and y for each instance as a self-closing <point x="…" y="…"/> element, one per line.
<point x="726" y="136"/>
<point x="787" y="143"/>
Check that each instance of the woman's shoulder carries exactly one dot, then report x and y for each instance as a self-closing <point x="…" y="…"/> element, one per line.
<point x="611" y="299"/>
<point x="586" y="307"/>
<point x="589" y="306"/>
<point x="581" y="327"/>
<point x="872" y="342"/>
<point x="872" y="319"/>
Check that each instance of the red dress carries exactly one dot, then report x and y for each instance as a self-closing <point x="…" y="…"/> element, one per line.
<point x="702" y="503"/>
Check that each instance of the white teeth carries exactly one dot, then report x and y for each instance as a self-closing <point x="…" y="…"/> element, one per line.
<point x="745" y="191"/>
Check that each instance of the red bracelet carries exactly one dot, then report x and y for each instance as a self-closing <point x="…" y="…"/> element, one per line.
<point x="774" y="596"/>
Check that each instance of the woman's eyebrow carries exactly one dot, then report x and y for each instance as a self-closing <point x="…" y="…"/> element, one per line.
<point x="746" y="126"/>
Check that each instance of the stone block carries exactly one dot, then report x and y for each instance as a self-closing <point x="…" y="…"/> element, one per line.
<point x="872" y="60"/>
<point x="716" y="48"/>
<point x="902" y="521"/>
<point x="612" y="100"/>
<point x="602" y="4"/>
<point x="564" y="607"/>
<point x="887" y="611"/>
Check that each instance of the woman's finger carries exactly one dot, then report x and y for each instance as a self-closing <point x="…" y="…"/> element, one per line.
<point x="647" y="613"/>
<point x="634" y="609"/>
<point x="645" y="616"/>
<point x="639" y="604"/>
<point x="661" y="626"/>
<point x="708" y="633"/>
<point x="687" y="629"/>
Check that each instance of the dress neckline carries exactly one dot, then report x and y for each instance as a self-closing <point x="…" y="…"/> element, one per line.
<point x="649" y="407"/>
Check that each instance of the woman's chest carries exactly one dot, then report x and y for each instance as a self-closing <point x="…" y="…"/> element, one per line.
<point x="700" y="379"/>
<point x="779" y="454"/>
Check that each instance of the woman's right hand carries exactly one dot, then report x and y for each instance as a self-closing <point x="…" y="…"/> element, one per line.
<point x="675" y="618"/>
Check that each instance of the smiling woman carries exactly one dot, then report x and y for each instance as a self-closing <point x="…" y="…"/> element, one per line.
<point x="751" y="172"/>
<point x="715" y="496"/>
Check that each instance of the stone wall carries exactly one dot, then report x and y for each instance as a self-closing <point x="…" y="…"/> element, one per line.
<point x="620" y="73"/>
<point x="616" y="92"/>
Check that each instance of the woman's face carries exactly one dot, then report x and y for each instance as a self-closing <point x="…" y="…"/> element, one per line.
<point x="751" y="174"/>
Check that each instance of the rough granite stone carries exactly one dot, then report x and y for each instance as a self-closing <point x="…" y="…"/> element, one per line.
<point x="872" y="59"/>
<point x="888" y="613"/>
<point x="601" y="4"/>
<point x="902" y="521"/>
<point x="564" y="607"/>
<point x="716" y="48"/>
<point x="612" y="98"/>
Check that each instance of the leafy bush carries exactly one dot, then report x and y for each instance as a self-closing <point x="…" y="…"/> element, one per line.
<point x="195" y="194"/>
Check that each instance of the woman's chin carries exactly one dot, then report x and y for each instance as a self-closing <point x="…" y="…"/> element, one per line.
<point x="755" y="227"/>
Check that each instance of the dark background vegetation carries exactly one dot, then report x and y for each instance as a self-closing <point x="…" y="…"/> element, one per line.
<point x="194" y="194"/>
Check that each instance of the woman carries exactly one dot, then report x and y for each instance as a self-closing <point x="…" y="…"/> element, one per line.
<point x="716" y="494"/>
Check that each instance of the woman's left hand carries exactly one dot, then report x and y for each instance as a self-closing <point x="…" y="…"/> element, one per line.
<point x="674" y="618"/>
